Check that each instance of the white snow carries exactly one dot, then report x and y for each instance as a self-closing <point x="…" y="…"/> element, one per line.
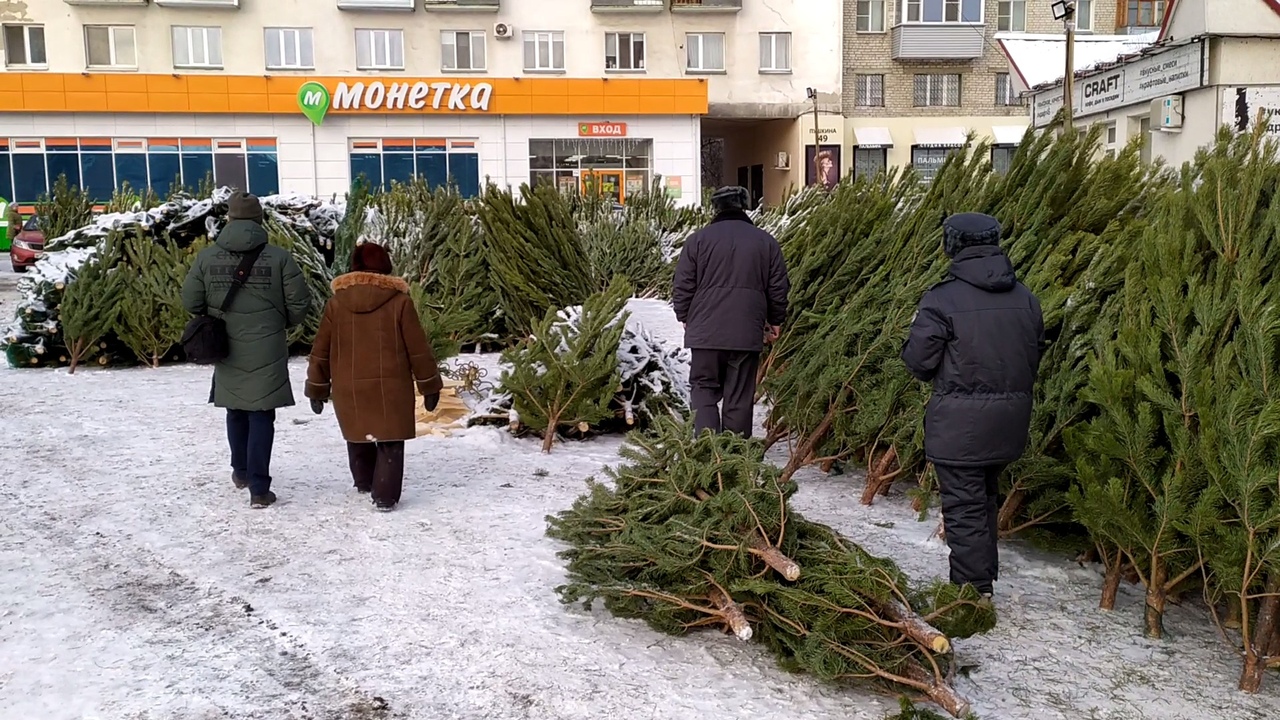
<point x="1041" y="59"/>
<point x="136" y="584"/>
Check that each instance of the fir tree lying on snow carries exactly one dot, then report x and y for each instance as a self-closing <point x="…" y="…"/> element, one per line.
<point x="698" y="532"/>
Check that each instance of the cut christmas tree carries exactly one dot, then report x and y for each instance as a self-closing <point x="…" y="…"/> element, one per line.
<point x="698" y="532"/>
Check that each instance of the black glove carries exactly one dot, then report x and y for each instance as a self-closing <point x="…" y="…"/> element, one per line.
<point x="430" y="402"/>
<point x="317" y="406"/>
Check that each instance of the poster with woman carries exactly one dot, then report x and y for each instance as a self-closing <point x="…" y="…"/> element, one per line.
<point x="822" y="165"/>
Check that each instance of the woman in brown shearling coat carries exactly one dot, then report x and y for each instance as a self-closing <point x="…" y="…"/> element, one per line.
<point x="368" y="353"/>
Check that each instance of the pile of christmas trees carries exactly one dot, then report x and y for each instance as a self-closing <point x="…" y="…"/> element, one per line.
<point x="108" y="288"/>
<point x="588" y="370"/>
<point x="698" y="533"/>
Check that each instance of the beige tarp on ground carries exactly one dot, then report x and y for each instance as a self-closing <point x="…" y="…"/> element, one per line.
<point x="450" y="415"/>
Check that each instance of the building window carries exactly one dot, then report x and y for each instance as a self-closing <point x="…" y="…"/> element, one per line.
<point x="1142" y="13"/>
<point x="110" y="46"/>
<point x="928" y="160"/>
<point x="24" y="46"/>
<point x="544" y="51"/>
<point x="775" y="52"/>
<point x="1084" y="15"/>
<point x="624" y="51"/>
<point x="937" y="90"/>
<point x="197" y="47"/>
<point x="1005" y="92"/>
<point x="380" y="49"/>
<point x="942" y="11"/>
<point x="1002" y="158"/>
<point x="462" y="50"/>
<point x="100" y="166"/>
<point x="869" y="162"/>
<point x="290" y="49"/>
<point x="616" y="167"/>
<point x="438" y="161"/>
<point x="705" y="52"/>
<point x="871" y="16"/>
<point x="1011" y="16"/>
<point x="868" y="91"/>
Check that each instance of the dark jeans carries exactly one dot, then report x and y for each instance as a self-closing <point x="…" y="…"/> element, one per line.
<point x="722" y="384"/>
<point x="251" y="434"/>
<point x="970" y="506"/>
<point x="378" y="468"/>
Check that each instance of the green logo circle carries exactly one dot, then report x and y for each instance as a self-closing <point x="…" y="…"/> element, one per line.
<point x="313" y="101"/>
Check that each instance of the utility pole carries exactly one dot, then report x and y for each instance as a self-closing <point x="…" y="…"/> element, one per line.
<point x="817" y="146"/>
<point x="1066" y="11"/>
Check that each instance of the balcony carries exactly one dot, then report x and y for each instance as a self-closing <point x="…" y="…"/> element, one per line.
<point x="409" y="5"/>
<point x="107" y="3"/>
<point x="706" y="6"/>
<point x="938" y="41"/>
<point x="463" y="5"/>
<point x="228" y="4"/>
<point x="623" y="6"/>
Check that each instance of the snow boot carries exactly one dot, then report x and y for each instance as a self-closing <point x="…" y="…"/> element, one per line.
<point x="239" y="480"/>
<point x="383" y="506"/>
<point x="262" y="501"/>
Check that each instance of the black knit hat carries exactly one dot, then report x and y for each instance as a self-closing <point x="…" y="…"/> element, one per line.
<point x="969" y="230"/>
<point x="243" y="206"/>
<point x="732" y="197"/>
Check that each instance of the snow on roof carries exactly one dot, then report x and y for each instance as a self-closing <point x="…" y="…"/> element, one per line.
<point x="1040" y="59"/>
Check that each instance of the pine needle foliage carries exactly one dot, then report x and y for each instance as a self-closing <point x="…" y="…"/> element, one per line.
<point x="691" y="531"/>
<point x="64" y="209"/>
<point x="152" y="317"/>
<point x="91" y="304"/>
<point x="317" y="274"/>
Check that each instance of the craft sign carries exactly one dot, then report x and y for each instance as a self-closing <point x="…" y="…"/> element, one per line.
<point x="588" y="129"/>
<point x="315" y="100"/>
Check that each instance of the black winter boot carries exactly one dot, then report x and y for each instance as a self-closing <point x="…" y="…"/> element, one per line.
<point x="239" y="480"/>
<point x="262" y="501"/>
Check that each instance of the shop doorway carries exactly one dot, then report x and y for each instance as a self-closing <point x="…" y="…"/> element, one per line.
<point x="606" y="182"/>
<point x="615" y="167"/>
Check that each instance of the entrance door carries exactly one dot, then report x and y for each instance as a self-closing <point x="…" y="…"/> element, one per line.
<point x="757" y="185"/>
<point x="606" y="182"/>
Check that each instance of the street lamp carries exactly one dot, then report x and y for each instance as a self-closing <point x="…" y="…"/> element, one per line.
<point x="812" y="94"/>
<point x="1065" y="10"/>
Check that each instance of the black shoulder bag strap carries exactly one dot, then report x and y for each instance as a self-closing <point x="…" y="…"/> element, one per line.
<point x="241" y="277"/>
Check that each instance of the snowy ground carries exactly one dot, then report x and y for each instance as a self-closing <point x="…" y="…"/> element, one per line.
<point x="136" y="584"/>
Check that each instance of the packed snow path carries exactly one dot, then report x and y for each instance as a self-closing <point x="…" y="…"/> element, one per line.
<point x="136" y="584"/>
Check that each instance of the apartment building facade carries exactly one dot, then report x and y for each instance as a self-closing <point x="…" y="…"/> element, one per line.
<point x="921" y="75"/>
<point x="308" y="95"/>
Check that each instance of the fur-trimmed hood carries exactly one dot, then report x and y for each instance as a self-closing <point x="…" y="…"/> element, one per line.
<point x="366" y="292"/>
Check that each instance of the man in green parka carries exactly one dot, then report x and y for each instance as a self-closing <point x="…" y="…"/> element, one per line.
<point x="254" y="379"/>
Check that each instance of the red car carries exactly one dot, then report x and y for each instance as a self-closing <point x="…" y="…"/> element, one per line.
<point x="27" y="246"/>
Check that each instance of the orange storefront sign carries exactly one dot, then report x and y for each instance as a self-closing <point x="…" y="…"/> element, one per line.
<point x="604" y="129"/>
<point x="126" y="93"/>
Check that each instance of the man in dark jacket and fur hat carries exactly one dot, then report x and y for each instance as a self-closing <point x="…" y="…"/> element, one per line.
<point x="730" y="294"/>
<point x="253" y="381"/>
<point x="978" y="337"/>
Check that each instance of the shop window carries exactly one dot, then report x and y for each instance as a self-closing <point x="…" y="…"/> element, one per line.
<point x="544" y="51"/>
<point x="704" y="52"/>
<point x="29" y="178"/>
<point x="871" y="16"/>
<point x="1011" y="16"/>
<point x="262" y="167"/>
<point x="110" y="46"/>
<point x="868" y="90"/>
<point x="1002" y="158"/>
<point x="928" y="160"/>
<point x="197" y="47"/>
<point x="438" y="162"/>
<point x="24" y="46"/>
<point x="943" y="11"/>
<point x="6" y="172"/>
<point x="197" y="162"/>
<point x="941" y="90"/>
<point x="62" y="160"/>
<point x="869" y="162"/>
<point x="615" y="167"/>
<point x="624" y="51"/>
<point x="379" y="49"/>
<point x="462" y="50"/>
<point x="775" y="52"/>
<point x="97" y="174"/>
<point x="131" y="165"/>
<point x="290" y="49"/>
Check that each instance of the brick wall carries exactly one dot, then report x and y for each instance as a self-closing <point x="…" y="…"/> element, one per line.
<point x="869" y="54"/>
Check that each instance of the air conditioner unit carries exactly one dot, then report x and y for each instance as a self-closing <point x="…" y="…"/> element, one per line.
<point x="1166" y="113"/>
<point x="502" y="30"/>
<point x="784" y="161"/>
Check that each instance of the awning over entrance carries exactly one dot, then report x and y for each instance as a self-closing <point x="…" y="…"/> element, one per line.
<point x="940" y="136"/>
<point x="1008" y="134"/>
<point x="873" y="137"/>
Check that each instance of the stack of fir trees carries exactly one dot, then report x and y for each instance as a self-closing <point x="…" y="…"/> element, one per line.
<point x="698" y="533"/>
